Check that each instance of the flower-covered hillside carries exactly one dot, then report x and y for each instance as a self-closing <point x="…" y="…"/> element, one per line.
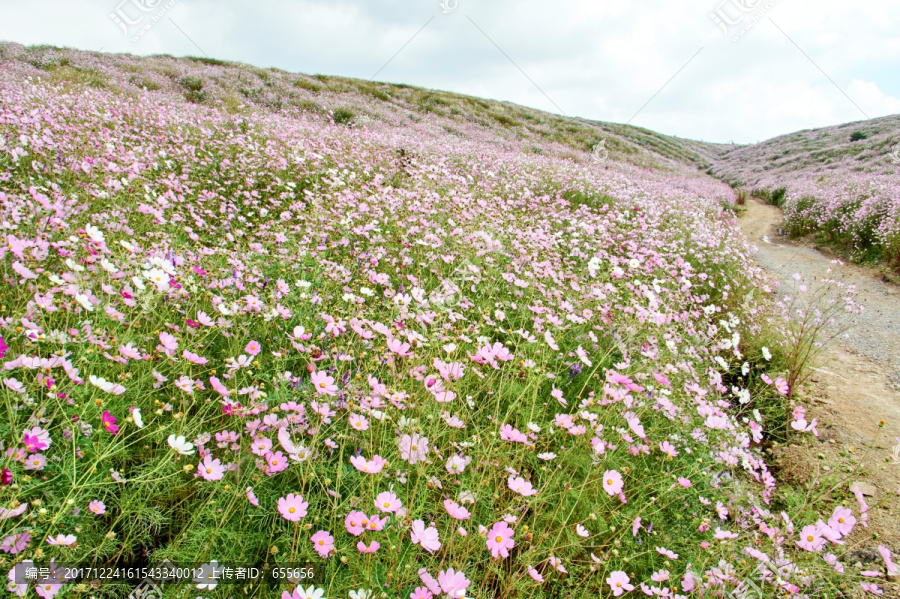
<point x="420" y="365"/>
<point x="840" y="183"/>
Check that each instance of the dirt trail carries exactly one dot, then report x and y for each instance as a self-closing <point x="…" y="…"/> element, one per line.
<point x="853" y="387"/>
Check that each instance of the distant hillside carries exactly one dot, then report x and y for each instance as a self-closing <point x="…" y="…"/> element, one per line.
<point x="862" y="147"/>
<point x="240" y="87"/>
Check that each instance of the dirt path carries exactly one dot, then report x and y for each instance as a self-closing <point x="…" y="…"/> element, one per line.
<point x="853" y="388"/>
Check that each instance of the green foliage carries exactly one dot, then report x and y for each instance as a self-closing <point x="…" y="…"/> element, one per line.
<point x="343" y="116"/>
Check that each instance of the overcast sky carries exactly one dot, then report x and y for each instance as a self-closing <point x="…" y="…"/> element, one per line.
<point x="769" y="67"/>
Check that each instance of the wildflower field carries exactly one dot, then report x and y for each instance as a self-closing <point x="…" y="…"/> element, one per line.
<point x="381" y="359"/>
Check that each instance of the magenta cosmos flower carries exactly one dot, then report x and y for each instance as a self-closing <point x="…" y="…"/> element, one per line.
<point x="6" y="477"/>
<point x="500" y="539"/>
<point x="292" y="507"/>
<point x="612" y="482"/>
<point x="323" y="543"/>
<point x="109" y="422"/>
<point x="323" y="383"/>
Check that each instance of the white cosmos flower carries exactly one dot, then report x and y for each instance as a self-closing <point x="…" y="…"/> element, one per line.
<point x="158" y="277"/>
<point x="180" y="444"/>
<point x="94" y="233"/>
<point x="73" y="265"/>
<point x="138" y="419"/>
<point x="84" y="301"/>
<point x="308" y="593"/>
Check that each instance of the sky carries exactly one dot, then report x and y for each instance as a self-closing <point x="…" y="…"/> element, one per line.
<point x="716" y="70"/>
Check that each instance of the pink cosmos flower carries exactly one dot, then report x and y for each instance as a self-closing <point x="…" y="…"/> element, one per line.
<point x="429" y="581"/>
<point x="372" y="548"/>
<point x="521" y="486"/>
<point x="97" y="507"/>
<point x="323" y="383"/>
<point x="421" y="593"/>
<point x="359" y="423"/>
<point x="211" y="469"/>
<point x="842" y="521"/>
<point x="500" y="539"/>
<point x="612" y="482"/>
<point x="456" y="511"/>
<point x="811" y="538"/>
<point x="61" y="539"/>
<point x="781" y="386"/>
<point x="508" y="433"/>
<point x="276" y="462"/>
<point x="535" y="574"/>
<point x="427" y="537"/>
<point x="413" y="448"/>
<point x="251" y="497"/>
<point x="373" y="466"/>
<point x="453" y="584"/>
<point x="888" y="563"/>
<point x="216" y="384"/>
<point x="35" y="462"/>
<point x="356" y="522"/>
<point x="292" y="507"/>
<point x="192" y="357"/>
<point x="618" y="581"/>
<point x="669" y="554"/>
<point x="668" y="449"/>
<point x="376" y="523"/>
<point x="15" y="543"/>
<point x="387" y="502"/>
<point x="253" y="348"/>
<point x="323" y="543"/>
<point x="109" y="422"/>
<point x="398" y="347"/>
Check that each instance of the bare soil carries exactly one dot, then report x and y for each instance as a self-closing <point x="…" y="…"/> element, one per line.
<point x="853" y="388"/>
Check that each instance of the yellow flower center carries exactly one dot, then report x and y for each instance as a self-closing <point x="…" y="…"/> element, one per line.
<point x="209" y="470"/>
<point x="292" y="510"/>
<point x="499" y="539"/>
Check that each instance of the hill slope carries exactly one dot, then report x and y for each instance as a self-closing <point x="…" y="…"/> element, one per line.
<point x="414" y="343"/>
